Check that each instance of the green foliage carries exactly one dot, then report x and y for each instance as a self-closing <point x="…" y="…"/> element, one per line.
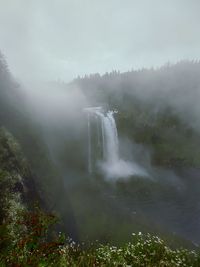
<point x="11" y="157"/>
<point x="173" y="142"/>
<point x="33" y="246"/>
<point x="30" y="246"/>
<point x="14" y="174"/>
<point x="146" y="250"/>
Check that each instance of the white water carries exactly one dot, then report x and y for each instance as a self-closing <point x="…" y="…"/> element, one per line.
<point x="112" y="165"/>
<point x="89" y="146"/>
<point x="111" y="147"/>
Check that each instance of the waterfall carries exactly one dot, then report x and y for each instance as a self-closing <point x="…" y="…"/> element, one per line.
<point x="89" y="146"/>
<point x="110" y="137"/>
<point x="111" y="163"/>
<point x="93" y="113"/>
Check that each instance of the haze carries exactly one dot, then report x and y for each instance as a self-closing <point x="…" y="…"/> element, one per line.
<point x="62" y="39"/>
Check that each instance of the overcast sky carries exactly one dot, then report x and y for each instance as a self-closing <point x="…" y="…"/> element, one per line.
<point x="60" y="39"/>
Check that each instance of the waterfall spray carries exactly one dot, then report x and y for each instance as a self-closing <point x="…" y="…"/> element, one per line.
<point x="111" y="164"/>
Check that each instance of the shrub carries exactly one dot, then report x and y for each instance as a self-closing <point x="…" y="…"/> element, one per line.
<point x="34" y="245"/>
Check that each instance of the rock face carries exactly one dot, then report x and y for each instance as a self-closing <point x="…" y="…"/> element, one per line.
<point x="16" y="180"/>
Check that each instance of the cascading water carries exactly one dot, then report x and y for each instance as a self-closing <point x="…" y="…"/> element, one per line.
<point x="111" y="164"/>
<point x="110" y="137"/>
<point x="89" y="146"/>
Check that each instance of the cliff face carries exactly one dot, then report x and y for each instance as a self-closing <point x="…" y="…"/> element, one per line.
<point x="39" y="179"/>
<point x="16" y="181"/>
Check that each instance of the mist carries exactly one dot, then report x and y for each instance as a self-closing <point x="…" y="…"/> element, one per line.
<point x="135" y="156"/>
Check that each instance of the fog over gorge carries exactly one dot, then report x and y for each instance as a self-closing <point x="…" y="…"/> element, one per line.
<point x="99" y="125"/>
